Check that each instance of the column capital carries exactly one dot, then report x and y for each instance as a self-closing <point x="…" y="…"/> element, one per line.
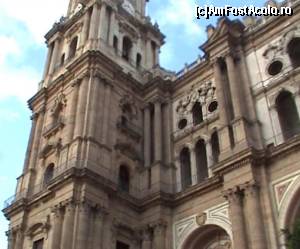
<point x="145" y="233"/>
<point x="159" y="227"/>
<point x="233" y="195"/>
<point x="250" y="188"/>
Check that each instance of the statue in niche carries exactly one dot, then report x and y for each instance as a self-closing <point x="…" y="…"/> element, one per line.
<point x="128" y="107"/>
<point x="59" y="103"/>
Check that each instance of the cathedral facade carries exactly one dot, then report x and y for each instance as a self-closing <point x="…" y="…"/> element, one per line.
<point x="124" y="154"/>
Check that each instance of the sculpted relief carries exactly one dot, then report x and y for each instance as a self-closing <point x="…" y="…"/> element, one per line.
<point x="203" y="94"/>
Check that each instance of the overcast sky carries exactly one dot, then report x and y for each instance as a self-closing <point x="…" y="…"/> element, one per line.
<point x="22" y="28"/>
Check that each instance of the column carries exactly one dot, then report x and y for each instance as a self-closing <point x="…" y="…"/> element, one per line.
<point x="254" y="216"/>
<point x="19" y="239"/>
<point x="237" y="218"/>
<point x="194" y="170"/>
<point x="234" y="86"/>
<point x="47" y="64"/>
<point x="147" y="136"/>
<point x="93" y="33"/>
<point x="149" y="61"/>
<point x="209" y="157"/>
<point x="85" y="29"/>
<point x="106" y="112"/>
<point x="92" y="112"/>
<point x="57" y="228"/>
<point x="102" y="35"/>
<point x="54" y="56"/>
<point x="220" y="94"/>
<point x="112" y="28"/>
<point x="167" y="117"/>
<point x="100" y="110"/>
<point x="157" y="131"/>
<point x="98" y="229"/>
<point x="72" y="114"/>
<point x="68" y="227"/>
<point x="246" y="86"/>
<point x="81" y="108"/>
<point x="83" y="226"/>
<point x="146" y="239"/>
<point x="10" y="239"/>
<point x="159" y="235"/>
<point x="30" y="142"/>
<point x="37" y="138"/>
<point x="178" y="186"/>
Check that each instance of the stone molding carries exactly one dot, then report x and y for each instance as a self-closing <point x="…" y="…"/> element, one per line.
<point x="217" y="215"/>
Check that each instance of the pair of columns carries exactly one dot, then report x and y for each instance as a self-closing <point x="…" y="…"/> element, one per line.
<point x="244" y="205"/>
<point x="89" y="108"/>
<point x="89" y="221"/>
<point x="97" y="27"/>
<point x="235" y="87"/>
<point x="209" y="158"/>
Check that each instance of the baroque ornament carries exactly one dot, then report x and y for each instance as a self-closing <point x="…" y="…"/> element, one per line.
<point x="202" y="94"/>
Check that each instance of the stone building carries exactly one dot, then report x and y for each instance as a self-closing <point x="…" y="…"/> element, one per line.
<point x="124" y="154"/>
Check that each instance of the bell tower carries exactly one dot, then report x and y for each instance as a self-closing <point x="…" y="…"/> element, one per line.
<point x="85" y="151"/>
<point x="118" y="29"/>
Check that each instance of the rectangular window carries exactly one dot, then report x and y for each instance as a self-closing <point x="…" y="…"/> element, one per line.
<point x="38" y="244"/>
<point x="121" y="245"/>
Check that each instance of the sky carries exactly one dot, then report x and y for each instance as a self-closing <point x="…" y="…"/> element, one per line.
<point x="23" y="25"/>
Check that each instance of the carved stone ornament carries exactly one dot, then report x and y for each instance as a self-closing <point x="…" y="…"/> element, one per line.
<point x="201" y="94"/>
<point x="128" y="107"/>
<point x="37" y="228"/>
<point x="50" y="147"/>
<point x="59" y="102"/>
<point x="278" y="48"/>
<point x="201" y="219"/>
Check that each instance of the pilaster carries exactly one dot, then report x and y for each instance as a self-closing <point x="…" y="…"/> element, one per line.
<point x="81" y="107"/>
<point x="68" y="226"/>
<point x="236" y="214"/>
<point x="147" y="136"/>
<point x="146" y="238"/>
<point x="234" y="86"/>
<point x="254" y="216"/>
<point x="57" y="227"/>
<point x="83" y="226"/>
<point x="158" y="131"/>
<point x="159" y="234"/>
<point x="72" y="113"/>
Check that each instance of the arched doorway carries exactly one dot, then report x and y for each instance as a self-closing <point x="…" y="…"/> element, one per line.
<point x="208" y="237"/>
<point x="290" y="220"/>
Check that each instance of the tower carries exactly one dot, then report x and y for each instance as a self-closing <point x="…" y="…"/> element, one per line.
<point x="86" y="142"/>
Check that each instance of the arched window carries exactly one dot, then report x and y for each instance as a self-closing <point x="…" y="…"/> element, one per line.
<point x="293" y="49"/>
<point x="62" y="59"/>
<point x="73" y="47"/>
<point x="138" y="60"/>
<point x="115" y="44"/>
<point x="287" y="114"/>
<point x="127" y="46"/>
<point x="215" y="146"/>
<point x="185" y="167"/>
<point x="124" y="178"/>
<point x="197" y="113"/>
<point x="49" y="173"/>
<point x="201" y="160"/>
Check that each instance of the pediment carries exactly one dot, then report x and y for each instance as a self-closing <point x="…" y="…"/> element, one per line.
<point x="225" y="28"/>
<point x="37" y="228"/>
